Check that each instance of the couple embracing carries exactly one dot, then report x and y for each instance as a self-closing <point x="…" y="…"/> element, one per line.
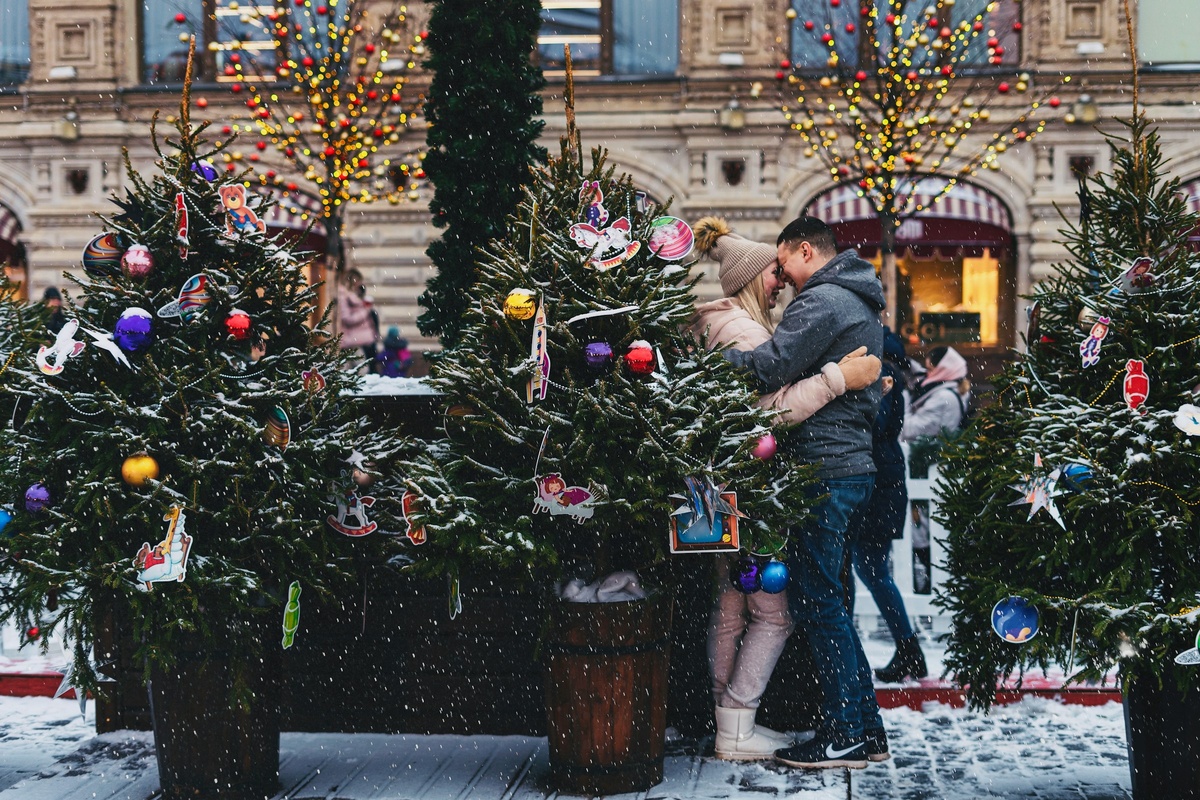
<point x="820" y="368"/>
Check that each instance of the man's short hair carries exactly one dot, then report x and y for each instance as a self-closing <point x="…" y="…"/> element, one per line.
<point x="811" y="230"/>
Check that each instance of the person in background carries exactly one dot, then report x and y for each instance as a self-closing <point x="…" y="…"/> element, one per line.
<point x="872" y="532"/>
<point x="394" y="360"/>
<point x="939" y="403"/>
<point x="747" y="633"/>
<point x="354" y="315"/>
<point x="52" y="299"/>
<point x="835" y="310"/>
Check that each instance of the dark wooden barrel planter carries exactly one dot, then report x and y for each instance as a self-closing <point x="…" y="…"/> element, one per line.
<point x="206" y="746"/>
<point x="1162" y="728"/>
<point x="606" y="694"/>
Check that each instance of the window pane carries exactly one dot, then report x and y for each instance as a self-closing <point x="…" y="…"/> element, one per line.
<point x="808" y="51"/>
<point x="14" y="41"/>
<point x="1167" y="31"/>
<point x="645" y="37"/>
<point x="245" y="24"/>
<point x="573" y="23"/>
<point x="164" y="56"/>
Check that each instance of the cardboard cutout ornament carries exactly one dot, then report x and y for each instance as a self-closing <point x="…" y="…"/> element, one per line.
<point x="312" y="380"/>
<point x="1039" y="492"/>
<point x="1089" y="351"/>
<point x="351" y="506"/>
<point x="555" y="496"/>
<point x="414" y="532"/>
<point x="595" y="213"/>
<point x="193" y="296"/>
<point x="707" y="522"/>
<point x="610" y="247"/>
<point x="1015" y="620"/>
<point x="291" y="614"/>
<point x="1139" y="277"/>
<point x="539" y="381"/>
<point x="181" y="226"/>
<point x="52" y="359"/>
<point x="1137" y="385"/>
<point x="278" y="431"/>
<point x="239" y="217"/>
<point x="1190" y="657"/>
<point x="1187" y="419"/>
<point x="167" y="561"/>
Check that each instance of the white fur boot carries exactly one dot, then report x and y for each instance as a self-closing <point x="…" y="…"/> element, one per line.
<point x="739" y="739"/>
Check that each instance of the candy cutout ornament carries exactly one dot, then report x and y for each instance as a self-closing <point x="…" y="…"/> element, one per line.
<point x="65" y="346"/>
<point x="102" y="256"/>
<point x="167" y="560"/>
<point x="1015" y="620"/>
<point x="137" y="262"/>
<point x="539" y="381"/>
<point x="1137" y="385"/>
<point x="134" y="330"/>
<point x="291" y="614"/>
<point x="414" y="532"/>
<point x="181" y="226"/>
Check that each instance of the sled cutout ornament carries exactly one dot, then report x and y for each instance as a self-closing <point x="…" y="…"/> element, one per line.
<point x="707" y="522"/>
<point x="1139" y="277"/>
<point x="352" y="507"/>
<point x="555" y="496"/>
<point x="610" y="247"/>
<point x="1190" y="657"/>
<point x="65" y="346"/>
<point x="166" y="561"/>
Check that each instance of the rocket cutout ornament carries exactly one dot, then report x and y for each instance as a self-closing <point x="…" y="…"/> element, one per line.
<point x="539" y="382"/>
<point x="167" y="561"/>
<point x="1089" y="351"/>
<point x="1137" y="385"/>
<point x="1039" y="492"/>
<point x="65" y="346"/>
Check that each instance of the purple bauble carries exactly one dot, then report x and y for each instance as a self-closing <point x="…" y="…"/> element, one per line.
<point x="37" y="497"/>
<point x="746" y="575"/>
<point x="137" y="262"/>
<point x="774" y="578"/>
<point x="599" y="355"/>
<point x="134" y="330"/>
<point x="205" y="169"/>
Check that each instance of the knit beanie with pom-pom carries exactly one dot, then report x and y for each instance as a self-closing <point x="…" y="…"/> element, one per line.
<point x="740" y="258"/>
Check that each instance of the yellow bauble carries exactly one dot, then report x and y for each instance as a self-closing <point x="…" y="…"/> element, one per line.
<point x="138" y="469"/>
<point x="520" y="304"/>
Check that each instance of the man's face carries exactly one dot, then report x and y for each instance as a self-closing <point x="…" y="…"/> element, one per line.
<point x="799" y="263"/>
<point x="772" y="282"/>
<point x="54" y="304"/>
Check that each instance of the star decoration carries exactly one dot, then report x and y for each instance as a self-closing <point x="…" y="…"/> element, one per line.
<point x="1039" y="492"/>
<point x="701" y="506"/>
<point x="68" y="682"/>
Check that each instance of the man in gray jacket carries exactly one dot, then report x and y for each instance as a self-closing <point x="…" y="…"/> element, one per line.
<point x="836" y="309"/>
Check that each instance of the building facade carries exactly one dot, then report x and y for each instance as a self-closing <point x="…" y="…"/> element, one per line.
<point x="683" y="93"/>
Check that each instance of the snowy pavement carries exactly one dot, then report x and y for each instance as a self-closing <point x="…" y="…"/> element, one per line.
<point x="1033" y="749"/>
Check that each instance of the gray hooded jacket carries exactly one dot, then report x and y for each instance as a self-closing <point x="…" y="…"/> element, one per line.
<point x="836" y="312"/>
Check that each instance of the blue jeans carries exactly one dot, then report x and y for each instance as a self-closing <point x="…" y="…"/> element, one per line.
<point x="815" y="557"/>
<point x="871" y="538"/>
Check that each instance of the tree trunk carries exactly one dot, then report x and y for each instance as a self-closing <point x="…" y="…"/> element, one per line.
<point x="889" y="223"/>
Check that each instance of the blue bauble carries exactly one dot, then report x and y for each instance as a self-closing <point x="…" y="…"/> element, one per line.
<point x="745" y="575"/>
<point x="1015" y="620"/>
<point x="774" y="577"/>
<point x="5" y="518"/>
<point x="134" y="331"/>
<point x="1076" y="477"/>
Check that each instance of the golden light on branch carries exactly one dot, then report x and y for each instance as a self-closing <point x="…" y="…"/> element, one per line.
<point x="335" y="107"/>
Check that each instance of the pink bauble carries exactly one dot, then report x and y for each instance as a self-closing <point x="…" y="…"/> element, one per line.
<point x="765" y="448"/>
<point x="137" y="262"/>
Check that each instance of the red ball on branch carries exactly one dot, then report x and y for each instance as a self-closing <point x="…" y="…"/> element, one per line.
<point x="261" y="145"/>
<point x="809" y="25"/>
<point x="235" y="58"/>
<point x="850" y="28"/>
<point x="945" y="33"/>
<point x="780" y="75"/>
<point x="827" y="38"/>
<point x="835" y="3"/>
<point x="993" y="42"/>
<point x="378" y="132"/>
<point x="978" y="26"/>
<point x="1055" y="102"/>
<point x="307" y="61"/>
<point x="251" y="103"/>
<point x="865" y="11"/>
<point x="370" y="48"/>
<point x="913" y="76"/>
<point x="1022" y="136"/>
<point x="181" y="18"/>
<point x="890" y="19"/>
<point x="998" y="52"/>
<point x="291" y="187"/>
<point x="1017" y="26"/>
<point x="372" y="95"/>
<point x="254" y="157"/>
<point x="395" y="97"/>
<point x="226" y="130"/>
<point x="330" y="152"/>
<point x="289" y="152"/>
<point x="33" y="632"/>
<point x="1003" y="87"/>
<point x="230" y="70"/>
<point x="785" y="64"/>
<point x="263" y="113"/>
<point x="229" y="167"/>
<point x="322" y="10"/>
<point x="947" y="69"/>
<point x="271" y="174"/>
<point x="860" y="76"/>
<point x="201" y="102"/>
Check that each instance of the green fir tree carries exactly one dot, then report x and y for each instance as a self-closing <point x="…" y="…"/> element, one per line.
<point x="197" y="396"/>
<point x="481" y="108"/>
<point x="629" y="440"/>
<point x="1118" y="583"/>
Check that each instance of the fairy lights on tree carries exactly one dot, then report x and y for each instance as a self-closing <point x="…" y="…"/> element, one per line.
<point x="335" y="106"/>
<point x="890" y="94"/>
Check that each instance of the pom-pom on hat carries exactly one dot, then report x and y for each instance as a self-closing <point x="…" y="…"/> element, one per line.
<point x="740" y="258"/>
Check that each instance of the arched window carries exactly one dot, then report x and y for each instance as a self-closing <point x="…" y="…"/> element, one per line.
<point x="955" y="260"/>
<point x="14" y="41"/>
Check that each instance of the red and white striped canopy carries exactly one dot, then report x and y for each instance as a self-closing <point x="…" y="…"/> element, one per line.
<point x="10" y="226"/>
<point x="295" y="211"/>
<point x="965" y="201"/>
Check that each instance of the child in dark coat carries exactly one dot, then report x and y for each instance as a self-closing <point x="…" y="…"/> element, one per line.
<point x="395" y="359"/>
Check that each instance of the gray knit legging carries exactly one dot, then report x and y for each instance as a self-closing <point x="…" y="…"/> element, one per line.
<point x="746" y="635"/>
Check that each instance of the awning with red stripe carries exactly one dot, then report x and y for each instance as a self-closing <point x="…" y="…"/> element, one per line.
<point x="965" y="218"/>
<point x="10" y="230"/>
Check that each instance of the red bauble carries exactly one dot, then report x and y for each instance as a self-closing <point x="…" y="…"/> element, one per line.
<point x="1003" y="87"/>
<point x="1017" y="27"/>
<point x="809" y="25"/>
<point x="370" y="48"/>
<point x="765" y="447"/>
<point x="999" y="52"/>
<point x="827" y="38"/>
<point x="261" y="145"/>
<point x="978" y="26"/>
<point x="835" y="3"/>
<point x="33" y="632"/>
<point x="1055" y="102"/>
<point x="639" y="358"/>
<point x="226" y="129"/>
<point x="913" y="76"/>
<point x="237" y="324"/>
<point x="785" y="64"/>
<point x="322" y="10"/>
<point x="181" y="18"/>
<point x="307" y="61"/>
<point x="850" y="27"/>
<point x="780" y="75"/>
<point x="235" y="88"/>
<point x="860" y="76"/>
<point x="993" y="42"/>
<point x="947" y="69"/>
<point x="201" y="102"/>
<point x="890" y="19"/>
<point x="330" y="152"/>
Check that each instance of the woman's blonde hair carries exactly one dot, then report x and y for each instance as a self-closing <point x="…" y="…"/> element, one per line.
<point x="753" y="299"/>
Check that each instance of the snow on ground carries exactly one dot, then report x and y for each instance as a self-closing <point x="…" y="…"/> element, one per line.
<point x="1033" y="749"/>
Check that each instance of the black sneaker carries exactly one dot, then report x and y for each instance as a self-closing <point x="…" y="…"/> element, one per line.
<point x="877" y="745"/>
<point x="824" y="753"/>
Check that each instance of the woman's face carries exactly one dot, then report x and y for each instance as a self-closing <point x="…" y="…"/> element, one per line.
<point x="772" y="283"/>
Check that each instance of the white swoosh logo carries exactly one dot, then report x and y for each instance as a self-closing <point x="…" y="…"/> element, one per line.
<point x="831" y="753"/>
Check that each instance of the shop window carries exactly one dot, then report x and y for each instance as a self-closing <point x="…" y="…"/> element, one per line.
<point x="1167" y="31"/>
<point x="610" y="37"/>
<point x="844" y="23"/>
<point x="14" y="41"/>
<point x="225" y="30"/>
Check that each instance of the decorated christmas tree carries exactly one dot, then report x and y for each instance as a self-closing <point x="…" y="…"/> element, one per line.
<point x="585" y="429"/>
<point x="185" y="447"/>
<point x="1071" y="503"/>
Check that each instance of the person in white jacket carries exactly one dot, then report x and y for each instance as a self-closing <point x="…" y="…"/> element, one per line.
<point x="747" y="633"/>
<point x="939" y="403"/>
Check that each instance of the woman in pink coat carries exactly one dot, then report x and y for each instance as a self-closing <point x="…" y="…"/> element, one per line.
<point x="747" y="632"/>
<point x="355" y="321"/>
